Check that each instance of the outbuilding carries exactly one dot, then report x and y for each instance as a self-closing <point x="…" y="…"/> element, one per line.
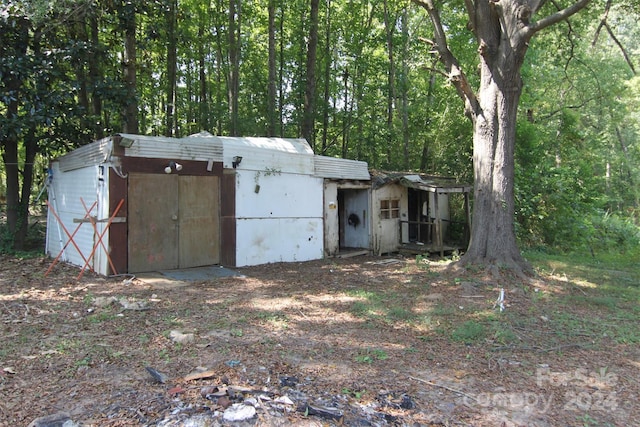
<point x="134" y="203"/>
<point x="418" y="213"/>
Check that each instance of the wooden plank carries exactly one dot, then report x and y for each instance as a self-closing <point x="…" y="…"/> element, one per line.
<point x="118" y="219"/>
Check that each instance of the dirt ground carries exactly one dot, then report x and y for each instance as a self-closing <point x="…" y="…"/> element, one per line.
<point x="354" y="341"/>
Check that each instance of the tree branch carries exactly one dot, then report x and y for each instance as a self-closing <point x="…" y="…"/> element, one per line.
<point x="454" y="71"/>
<point x="622" y="49"/>
<point x="603" y="21"/>
<point x="561" y="15"/>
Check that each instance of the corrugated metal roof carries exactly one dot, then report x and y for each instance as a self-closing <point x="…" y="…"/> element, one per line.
<point x="286" y="145"/>
<point x="424" y="182"/>
<point x="160" y="147"/>
<point x="94" y="153"/>
<point x="331" y="167"/>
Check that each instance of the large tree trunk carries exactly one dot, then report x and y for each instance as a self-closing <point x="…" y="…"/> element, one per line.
<point x="389" y="26"/>
<point x="493" y="239"/>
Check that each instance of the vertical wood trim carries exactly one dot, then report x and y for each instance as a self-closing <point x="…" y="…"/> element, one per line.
<point x="118" y="235"/>
<point x="228" y="220"/>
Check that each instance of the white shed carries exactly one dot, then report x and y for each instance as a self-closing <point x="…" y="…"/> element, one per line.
<point x="133" y="203"/>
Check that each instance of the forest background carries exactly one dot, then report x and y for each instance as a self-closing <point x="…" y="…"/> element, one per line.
<point x="358" y="80"/>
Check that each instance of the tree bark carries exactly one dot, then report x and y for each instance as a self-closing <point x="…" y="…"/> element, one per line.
<point x="327" y="81"/>
<point x="404" y="88"/>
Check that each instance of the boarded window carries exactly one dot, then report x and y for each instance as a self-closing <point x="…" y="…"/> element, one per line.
<point x="389" y="208"/>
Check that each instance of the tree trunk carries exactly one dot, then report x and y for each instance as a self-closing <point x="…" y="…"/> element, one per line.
<point x="203" y="105"/>
<point x="95" y="76"/>
<point x="424" y="158"/>
<point x="389" y="26"/>
<point x="271" y="83"/>
<point x="493" y="239"/>
<point x="404" y="88"/>
<point x="308" y="120"/>
<point x="130" y="112"/>
<point x="328" y="61"/>
<point x="171" y="68"/>
<point x="16" y="47"/>
<point x="234" y="66"/>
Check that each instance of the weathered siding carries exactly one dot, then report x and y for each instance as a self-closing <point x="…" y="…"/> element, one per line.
<point x="386" y="232"/>
<point x="267" y="240"/>
<point x="331" y="218"/>
<point x="67" y="191"/>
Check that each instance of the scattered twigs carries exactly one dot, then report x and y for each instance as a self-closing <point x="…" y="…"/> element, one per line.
<point x="462" y="393"/>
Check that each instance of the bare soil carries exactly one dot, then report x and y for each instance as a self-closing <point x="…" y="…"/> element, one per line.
<point x="378" y="341"/>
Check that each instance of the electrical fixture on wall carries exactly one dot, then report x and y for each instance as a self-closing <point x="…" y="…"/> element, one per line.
<point x="173" y="166"/>
<point x="236" y="161"/>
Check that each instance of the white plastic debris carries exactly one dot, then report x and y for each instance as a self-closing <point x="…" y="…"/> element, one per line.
<point x="500" y="300"/>
<point x="239" y="412"/>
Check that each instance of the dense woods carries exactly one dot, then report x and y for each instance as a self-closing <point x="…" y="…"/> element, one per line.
<point x="361" y="80"/>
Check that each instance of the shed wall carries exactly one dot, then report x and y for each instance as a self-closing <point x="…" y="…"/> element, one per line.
<point x="386" y="232"/>
<point x="280" y="222"/>
<point x="67" y="191"/>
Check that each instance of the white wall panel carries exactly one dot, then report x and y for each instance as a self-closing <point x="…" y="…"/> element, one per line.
<point x="261" y="241"/>
<point x="279" y="195"/>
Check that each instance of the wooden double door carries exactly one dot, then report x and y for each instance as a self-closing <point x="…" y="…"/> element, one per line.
<point x="173" y="221"/>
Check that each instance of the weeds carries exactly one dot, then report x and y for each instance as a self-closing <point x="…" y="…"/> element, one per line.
<point x="371" y="355"/>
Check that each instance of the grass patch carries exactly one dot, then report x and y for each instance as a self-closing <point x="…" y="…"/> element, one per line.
<point x="469" y="332"/>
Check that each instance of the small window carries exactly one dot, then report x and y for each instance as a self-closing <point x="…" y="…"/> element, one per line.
<point x="389" y="208"/>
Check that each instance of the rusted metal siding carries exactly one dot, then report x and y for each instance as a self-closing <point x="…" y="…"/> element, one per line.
<point x="329" y="167"/>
